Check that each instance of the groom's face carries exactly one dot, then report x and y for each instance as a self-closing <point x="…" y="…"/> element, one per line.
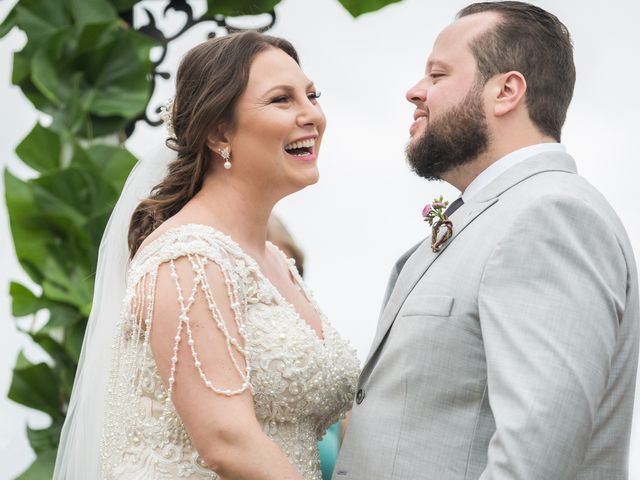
<point x="450" y="127"/>
<point x="455" y="138"/>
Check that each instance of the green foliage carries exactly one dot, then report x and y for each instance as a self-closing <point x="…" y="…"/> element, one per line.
<point x="84" y="67"/>
<point x="57" y="221"/>
<point x="42" y="467"/>
<point x="35" y="386"/>
<point x="254" y="7"/>
<point x="231" y="8"/>
<point x="123" y="5"/>
<point x="82" y="64"/>
<point x="89" y="71"/>
<point x="359" y="7"/>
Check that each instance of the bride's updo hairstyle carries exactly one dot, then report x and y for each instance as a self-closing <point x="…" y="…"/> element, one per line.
<point x="211" y="78"/>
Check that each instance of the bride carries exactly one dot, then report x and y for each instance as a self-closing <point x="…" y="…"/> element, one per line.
<point x="218" y="363"/>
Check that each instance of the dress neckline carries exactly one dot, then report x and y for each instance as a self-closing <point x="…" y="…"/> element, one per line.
<point x="254" y="264"/>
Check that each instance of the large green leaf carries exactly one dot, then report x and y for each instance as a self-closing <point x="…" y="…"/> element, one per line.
<point x="8" y="23"/>
<point x="115" y="163"/>
<point x="40" y="19"/>
<point x="48" y="201"/>
<point x="92" y="78"/>
<point x="68" y="281"/>
<point x="21" y="76"/>
<point x="120" y="78"/>
<point x="93" y="11"/>
<point x="55" y="195"/>
<point x="65" y="362"/>
<point x="74" y="291"/>
<point x="122" y="5"/>
<point x="29" y="238"/>
<point x="74" y="190"/>
<point x="91" y="127"/>
<point x="40" y="149"/>
<point x="358" y="7"/>
<point x="36" y="386"/>
<point x="22" y="361"/>
<point x="96" y="36"/>
<point x="41" y="468"/>
<point x="46" y="439"/>
<point x="24" y="302"/>
<point x="74" y="336"/>
<point x="61" y="315"/>
<point x="49" y="73"/>
<point x="22" y="64"/>
<point x="236" y="8"/>
<point x="44" y="216"/>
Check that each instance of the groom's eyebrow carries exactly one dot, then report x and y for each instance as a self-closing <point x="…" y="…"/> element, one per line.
<point x="436" y="62"/>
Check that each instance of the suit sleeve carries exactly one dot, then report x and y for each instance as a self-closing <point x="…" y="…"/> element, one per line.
<point x="550" y="302"/>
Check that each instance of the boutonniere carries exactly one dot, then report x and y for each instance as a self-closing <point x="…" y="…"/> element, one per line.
<point x="434" y="214"/>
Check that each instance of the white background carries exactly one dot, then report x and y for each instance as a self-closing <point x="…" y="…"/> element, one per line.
<point x="365" y="211"/>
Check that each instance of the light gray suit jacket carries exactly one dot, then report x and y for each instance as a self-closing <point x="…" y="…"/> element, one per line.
<point x="512" y="353"/>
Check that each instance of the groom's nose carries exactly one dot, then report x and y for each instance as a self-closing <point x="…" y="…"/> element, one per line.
<point x="417" y="94"/>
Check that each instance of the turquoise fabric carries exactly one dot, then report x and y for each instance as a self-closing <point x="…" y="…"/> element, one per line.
<point x="329" y="446"/>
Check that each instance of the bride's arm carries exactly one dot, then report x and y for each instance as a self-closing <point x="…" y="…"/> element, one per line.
<point x="223" y="428"/>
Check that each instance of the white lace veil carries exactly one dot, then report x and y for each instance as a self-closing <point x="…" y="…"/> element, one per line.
<point x="79" y="450"/>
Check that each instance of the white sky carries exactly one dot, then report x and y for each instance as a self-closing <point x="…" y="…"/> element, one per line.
<point x="365" y="212"/>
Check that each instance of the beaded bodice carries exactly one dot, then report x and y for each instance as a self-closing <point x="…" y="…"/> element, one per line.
<point x="300" y="383"/>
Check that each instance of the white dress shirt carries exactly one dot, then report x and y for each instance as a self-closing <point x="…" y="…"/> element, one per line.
<point x="494" y="170"/>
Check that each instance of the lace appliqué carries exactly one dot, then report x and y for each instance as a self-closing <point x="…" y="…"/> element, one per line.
<point x="300" y="383"/>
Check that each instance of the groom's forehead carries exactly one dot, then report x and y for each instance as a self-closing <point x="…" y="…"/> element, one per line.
<point x="462" y="31"/>
<point x="453" y="43"/>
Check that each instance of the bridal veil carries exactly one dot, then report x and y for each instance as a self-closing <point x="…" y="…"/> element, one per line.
<point x="78" y="455"/>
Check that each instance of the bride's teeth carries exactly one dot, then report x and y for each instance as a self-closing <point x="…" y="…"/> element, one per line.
<point x="308" y="143"/>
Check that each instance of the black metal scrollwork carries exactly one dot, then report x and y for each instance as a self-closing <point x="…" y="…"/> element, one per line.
<point x="151" y="29"/>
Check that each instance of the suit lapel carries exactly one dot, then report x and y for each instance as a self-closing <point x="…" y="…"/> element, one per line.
<point x="418" y="263"/>
<point x="422" y="258"/>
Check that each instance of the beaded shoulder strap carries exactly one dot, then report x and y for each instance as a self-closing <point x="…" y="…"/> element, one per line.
<point x="201" y="282"/>
<point x="200" y="245"/>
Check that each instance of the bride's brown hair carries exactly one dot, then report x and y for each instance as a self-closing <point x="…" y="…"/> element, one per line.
<point x="210" y="80"/>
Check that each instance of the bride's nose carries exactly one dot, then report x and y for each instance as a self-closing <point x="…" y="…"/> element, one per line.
<point x="311" y="114"/>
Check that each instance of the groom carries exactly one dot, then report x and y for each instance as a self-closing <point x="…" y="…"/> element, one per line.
<point x="511" y="353"/>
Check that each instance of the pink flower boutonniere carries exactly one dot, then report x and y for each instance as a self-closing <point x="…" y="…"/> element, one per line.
<point x="434" y="214"/>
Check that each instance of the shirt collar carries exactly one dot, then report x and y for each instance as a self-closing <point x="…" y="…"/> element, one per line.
<point x="494" y="170"/>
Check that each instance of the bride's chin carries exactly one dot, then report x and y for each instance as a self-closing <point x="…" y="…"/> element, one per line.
<point x="307" y="174"/>
<point x="313" y="179"/>
<point x="301" y="183"/>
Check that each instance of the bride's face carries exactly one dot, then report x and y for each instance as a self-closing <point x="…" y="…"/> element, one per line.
<point x="278" y="126"/>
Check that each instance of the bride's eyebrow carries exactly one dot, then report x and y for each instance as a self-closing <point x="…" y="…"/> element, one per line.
<point x="287" y="88"/>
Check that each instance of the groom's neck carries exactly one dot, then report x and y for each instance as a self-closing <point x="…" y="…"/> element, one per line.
<point x="501" y="145"/>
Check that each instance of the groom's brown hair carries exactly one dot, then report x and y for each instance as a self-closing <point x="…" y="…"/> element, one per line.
<point x="535" y="43"/>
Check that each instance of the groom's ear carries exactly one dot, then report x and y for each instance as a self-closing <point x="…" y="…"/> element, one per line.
<point x="509" y="92"/>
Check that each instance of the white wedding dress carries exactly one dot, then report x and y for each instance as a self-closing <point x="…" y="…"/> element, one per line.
<point x="300" y="383"/>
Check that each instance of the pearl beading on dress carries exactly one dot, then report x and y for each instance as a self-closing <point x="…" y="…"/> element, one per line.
<point x="198" y="264"/>
<point x="300" y="383"/>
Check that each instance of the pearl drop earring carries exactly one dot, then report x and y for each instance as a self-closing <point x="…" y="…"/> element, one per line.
<point x="226" y="154"/>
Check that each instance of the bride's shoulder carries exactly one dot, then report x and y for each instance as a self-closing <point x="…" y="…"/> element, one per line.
<point x="183" y="241"/>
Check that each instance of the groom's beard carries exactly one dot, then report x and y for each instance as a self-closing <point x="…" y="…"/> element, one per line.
<point x="457" y="138"/>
